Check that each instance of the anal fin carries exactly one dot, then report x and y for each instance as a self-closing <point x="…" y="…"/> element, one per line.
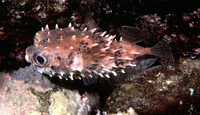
<point x="145" y="61"/>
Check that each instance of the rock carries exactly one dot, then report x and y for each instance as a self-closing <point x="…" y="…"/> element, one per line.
<point x="27" y="92"/>
<point x="172" y="89"/>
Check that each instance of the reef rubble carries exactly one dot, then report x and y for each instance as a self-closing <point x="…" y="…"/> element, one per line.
<point x="171" y="89"/>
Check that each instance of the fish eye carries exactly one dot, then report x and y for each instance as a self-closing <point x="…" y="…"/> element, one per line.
<point x="40" y="59"/>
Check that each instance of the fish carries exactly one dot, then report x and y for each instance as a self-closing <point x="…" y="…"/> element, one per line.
<point x="88" y="54"/>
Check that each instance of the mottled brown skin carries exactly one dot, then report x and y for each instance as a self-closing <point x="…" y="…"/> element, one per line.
<point x="72" y="53"/>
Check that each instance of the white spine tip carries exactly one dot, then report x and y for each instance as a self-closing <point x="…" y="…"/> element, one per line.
<point x="56" y="26"/>
<point x="85" y="29"/>
<point x="133" y="65"/>
<point x="122" y="70"/>
<point x="61" y="37"/>
<point x="102" y="34"/>
<point x="103" y="66"/>
<point x="101" y="75"/>
<point x="82" y="75"/>
<point x="42" y="29"/>
<point x="88" y="70"/>
<point x="114" y="73"/>
<point x="61" y="73"/>
<point x="93" y="30"/>
<point x="53" y="72"/>
<point x="47" y="27"/>
<point x="48" y="40"/>
<point x="107" y="76"/>
<point x="48" y="33"/>
<point x="111" y="58"/>
<point x="111" y="37"/>
<point x="127" y="58"/>
<point x="109" y="43"/>
<point x="114" y="66"/>
<point x="94" y="71"/>
<point x="107" y="48"/>
<point x="70" y="25"/>
<point x="59" y="77"/>
<point x="90" y="75"/>
<point x="106" y="36"/>
<point x="71" y="47"/>
<point x="120" y="39"/>
<point x="72" y="28"/>
<point x="95" y="44"/>
<point x="71" y="76"/>
<point x="73" y="36"/>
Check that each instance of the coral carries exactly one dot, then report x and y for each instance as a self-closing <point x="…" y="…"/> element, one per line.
<point x="63" y="103"/>
<point x="71" y="102"/>
<point x="15" y="97"/>
<point x="36" y="95"/>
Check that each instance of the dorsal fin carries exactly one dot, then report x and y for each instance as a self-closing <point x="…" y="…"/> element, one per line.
<point x="89" y="22"/>
<point x="133" y="34"/>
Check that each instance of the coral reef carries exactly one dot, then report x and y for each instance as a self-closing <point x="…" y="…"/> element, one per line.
<point x="170" y="89"/>
<point x="15" y="97"/>
<point x="36" y="95"/>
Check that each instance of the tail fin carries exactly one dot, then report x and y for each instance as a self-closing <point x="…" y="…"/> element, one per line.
<point x="162" y="50"/>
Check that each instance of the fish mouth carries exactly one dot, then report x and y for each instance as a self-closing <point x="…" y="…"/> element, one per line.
<point x="28" y="54"/>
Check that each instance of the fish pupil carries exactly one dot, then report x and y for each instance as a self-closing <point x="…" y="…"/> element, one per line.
<point x="40" y="59"/>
